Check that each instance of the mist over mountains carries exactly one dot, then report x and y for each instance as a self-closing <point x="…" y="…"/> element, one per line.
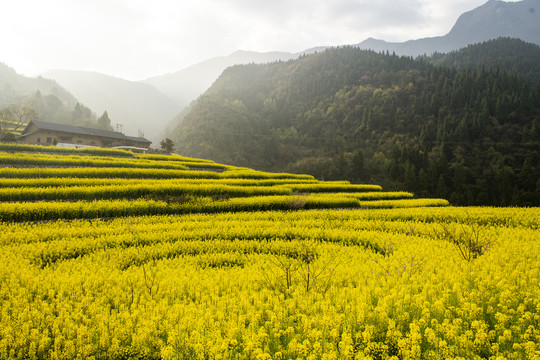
<point x="13" y="85"/>
<point x="150" y="104"/>
<point x="177" y="90"/>
<point x="466" y="129"/>
<point x="134" y="105"/>
<point x="494" y="19"/>
<point x="185" y="85"/>
<point x="23" y="99"/>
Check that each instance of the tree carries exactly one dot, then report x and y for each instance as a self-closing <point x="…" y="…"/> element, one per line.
<point x="17" y="116"/>
<point x="104" y="121"/>
<point x="358" y="164"/>
<point x="167" y="145"/>
<point x="81" y="115"/>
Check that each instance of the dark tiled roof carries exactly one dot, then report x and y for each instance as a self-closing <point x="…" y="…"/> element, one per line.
<point x="43" y="125"/>
<point x="135" y="138"/>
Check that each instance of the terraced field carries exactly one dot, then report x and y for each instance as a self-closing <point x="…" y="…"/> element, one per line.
<point x="111" y="255"/>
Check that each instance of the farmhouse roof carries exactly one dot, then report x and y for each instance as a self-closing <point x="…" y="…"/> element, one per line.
<point x="43" y="125"/>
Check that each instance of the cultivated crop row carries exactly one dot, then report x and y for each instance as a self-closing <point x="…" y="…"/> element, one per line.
<point x="139" y="173"/>
<point x="37" y="211"/>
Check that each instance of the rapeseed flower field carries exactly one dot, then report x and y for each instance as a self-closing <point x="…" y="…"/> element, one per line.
<point x="128" y="261"/>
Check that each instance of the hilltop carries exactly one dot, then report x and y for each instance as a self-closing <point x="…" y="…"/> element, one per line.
<point x="137" y="106"/>
<point x="494" y="19"/>
<point x="13" y="86"/>
<point x="468" y="134"/>
<point x="174" y="91"/>
<point x="23" y="99"/>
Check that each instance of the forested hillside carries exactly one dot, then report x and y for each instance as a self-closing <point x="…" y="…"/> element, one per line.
<point x="469" y="135"/>
<point x="23" y="99"/>
<point x="14" y="85"/>
<point x="507" y="54"/>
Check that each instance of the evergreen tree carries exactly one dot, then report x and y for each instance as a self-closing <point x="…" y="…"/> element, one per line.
<point x="104" y="122"/>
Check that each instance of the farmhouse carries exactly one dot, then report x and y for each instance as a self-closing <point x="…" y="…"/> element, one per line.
<point x="46" y="133"/>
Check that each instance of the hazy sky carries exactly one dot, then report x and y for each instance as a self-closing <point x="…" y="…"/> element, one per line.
<point x="137" y="39"/>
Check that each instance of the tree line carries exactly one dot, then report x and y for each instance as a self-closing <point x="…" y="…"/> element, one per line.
<point x="48" y="107"/>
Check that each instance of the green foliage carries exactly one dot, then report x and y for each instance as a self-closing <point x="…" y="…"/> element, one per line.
<point x="104" y="121"/>
<point x="42" y="99"/>
<point x="167" y="145"/>
<point x="503" y="54"/>
<point x="468" y="133"/>
<point x="51" y="108"/>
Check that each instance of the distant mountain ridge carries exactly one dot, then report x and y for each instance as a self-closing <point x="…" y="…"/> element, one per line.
<point x="150" y="105"/>
<point x="492" y="20"/>
<point x="185" y="85"/>
<point x="24" y="98"/>
<point x="134" y="105"/>
<point x="14" y="85"/>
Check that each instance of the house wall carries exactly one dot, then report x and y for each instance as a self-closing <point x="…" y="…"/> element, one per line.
<point x="49" y="137"/>
<point x="40" y="137"/>
<point x="46" y="137"/>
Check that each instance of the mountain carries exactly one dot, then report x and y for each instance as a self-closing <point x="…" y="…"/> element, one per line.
<point x="14" y="86"/>
<point x="505" y="54"/>
<point x="186" y="85"/>
<point x="470" y="135"/>
<point x="23" y="99"/>
<point x="134" y="105"/>
<point x="492" y="20"/>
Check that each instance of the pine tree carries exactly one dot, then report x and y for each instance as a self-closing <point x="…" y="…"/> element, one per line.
<point x="104" y="122"/>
